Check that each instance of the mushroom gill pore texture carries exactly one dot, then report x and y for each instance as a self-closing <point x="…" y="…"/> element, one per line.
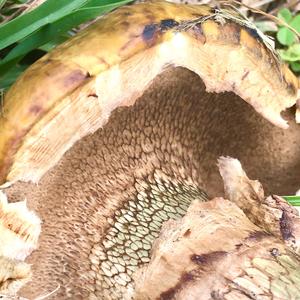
<point x="150" y="117"/>
<point x="103" y="204"/>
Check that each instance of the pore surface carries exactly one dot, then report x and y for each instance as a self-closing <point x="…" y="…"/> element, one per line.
<point x="103" y="204"/>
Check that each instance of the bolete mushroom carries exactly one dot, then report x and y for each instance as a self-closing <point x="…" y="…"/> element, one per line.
<point x="152" y="94"/>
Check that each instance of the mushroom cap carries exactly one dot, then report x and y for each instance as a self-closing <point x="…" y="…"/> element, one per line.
<point x="151" y="159"/>
<point x="71" y="91"/>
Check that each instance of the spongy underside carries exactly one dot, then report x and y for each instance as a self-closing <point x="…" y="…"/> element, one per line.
<point x="172" y="136"/>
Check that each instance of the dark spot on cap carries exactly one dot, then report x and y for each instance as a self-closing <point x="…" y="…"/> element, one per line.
<point x="286" y="226"/>
<point x="208" y="258"/>
<point x="187" y="233"/>
<point x="149" y="32"/>
<point x="168" y="24"/>
<point x="257" y="235"/>
<point x="35" y="109"/>
<point x="75" y="77"/>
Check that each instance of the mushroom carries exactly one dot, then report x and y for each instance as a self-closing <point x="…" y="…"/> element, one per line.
<point x="121" y="127"/>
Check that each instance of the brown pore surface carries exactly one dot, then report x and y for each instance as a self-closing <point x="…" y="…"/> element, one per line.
<point x="172" y="136"/>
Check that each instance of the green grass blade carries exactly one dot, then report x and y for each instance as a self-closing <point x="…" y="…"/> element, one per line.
<point x="293" y="200"/>
<point x="52" y="31"/>
<point x="24" y="25"/>
<point x="51" y="35"/>
<point x="2" y="2"/>
<point x="94" y="3"/>
<point x="54" y="42"/>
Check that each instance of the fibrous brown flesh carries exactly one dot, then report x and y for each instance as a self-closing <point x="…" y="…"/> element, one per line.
<point x="273" y="213"/>
<point x="215" y="252"/>
<point x="219" y="251"/>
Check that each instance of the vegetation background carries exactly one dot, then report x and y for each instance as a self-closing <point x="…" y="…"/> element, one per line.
<point x="31" y="28"/>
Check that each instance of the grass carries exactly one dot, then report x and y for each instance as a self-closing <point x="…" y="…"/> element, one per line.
<point x="280" y="20"/>
<point x="26" y="35"/>
<point x="293" y="200"/>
